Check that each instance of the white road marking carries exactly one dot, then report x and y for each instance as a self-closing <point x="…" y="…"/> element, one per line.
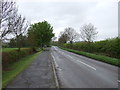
<point x="55" y="48"/>
<point x="54" y="60"/>
<point x="79" y="61"/>
<point x="59" y="69"/>
<point x="86" y="64"/>
<point x="118" y="81"/>
<point x="71" y="53"/>
<point x="55" y="74"/>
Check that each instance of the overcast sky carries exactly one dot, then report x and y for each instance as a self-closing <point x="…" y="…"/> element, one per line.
<point x="103" y="14"/>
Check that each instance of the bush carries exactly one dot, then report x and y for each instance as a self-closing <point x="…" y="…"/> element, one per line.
<point x="109" y="47"/>
<point x="14" y="56"/>
<point x="106" y="59"/>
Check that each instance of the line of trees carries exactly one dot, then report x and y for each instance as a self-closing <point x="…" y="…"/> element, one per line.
<point x="87" y="33"/>
<point x="17" y="31"/>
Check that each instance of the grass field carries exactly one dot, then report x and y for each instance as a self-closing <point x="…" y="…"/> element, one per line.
<point x="8" y="49"/>
<point x="16" y="68"/>
<point x="102" y="58"/>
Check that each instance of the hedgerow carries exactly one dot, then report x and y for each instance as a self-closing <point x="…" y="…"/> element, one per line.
<point x="109" y="47"/>
<point x="14" y="56"/>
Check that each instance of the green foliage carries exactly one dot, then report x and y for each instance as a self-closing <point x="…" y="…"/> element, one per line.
<point x="40" y="34"/>
<point x="22" y="42"/>
<point x="109" y="47"/>
<point x="63" y="38"/>
<point x="106" y="59"/>
<point x="14" y="56"/>
<point x="12" y="43"/>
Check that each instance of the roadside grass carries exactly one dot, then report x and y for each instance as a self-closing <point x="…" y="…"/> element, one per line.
<point x="16" y="68"/>
<point x="113" y="61"/>
<point x="8" y="49"/>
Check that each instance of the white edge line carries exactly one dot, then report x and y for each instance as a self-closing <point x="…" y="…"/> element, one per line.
<point x="86" y="64"/>
<point x="118" y="81"/>
<point x="54" y="60"/>
<point x="56" y="79"/>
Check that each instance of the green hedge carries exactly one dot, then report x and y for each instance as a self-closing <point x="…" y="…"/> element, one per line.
<point x="16" y="68"/>
<point x="14" y="56"/>
<point x="106" y="59"/>
<point x="109" y="47"/>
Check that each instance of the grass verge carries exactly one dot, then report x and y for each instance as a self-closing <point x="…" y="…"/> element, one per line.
<point x="102" y="58"/>
<point x="16" y="68"/>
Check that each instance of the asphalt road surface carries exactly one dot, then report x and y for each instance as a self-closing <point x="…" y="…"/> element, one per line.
<point x="76" y="71"/>
<point x="38" y="75"/>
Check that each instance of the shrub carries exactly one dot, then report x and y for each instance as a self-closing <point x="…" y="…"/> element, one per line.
<point x="109" y="47"/>
<point x="14" y="56"/>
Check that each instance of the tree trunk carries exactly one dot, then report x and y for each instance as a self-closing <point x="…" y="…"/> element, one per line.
<point x="71" y="42"/>
<point x="19" y="49"/>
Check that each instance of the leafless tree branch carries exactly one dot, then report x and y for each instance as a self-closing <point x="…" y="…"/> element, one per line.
<point x="88" y="32"/>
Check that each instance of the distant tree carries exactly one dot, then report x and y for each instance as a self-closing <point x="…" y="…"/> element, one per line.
<point x="72" y="34"/>
<point x="53" y="40"/>
<point x="88" y="32"/>
<point x="69" y="34"/>
<point x="40" y="33"/>
<point x="7" y="10"/>
<point x="63" y="38"/>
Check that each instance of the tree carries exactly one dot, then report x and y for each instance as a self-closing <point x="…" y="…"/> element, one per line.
<point x="23" y="41"/>
<point x="18" y="27"/>
<point x="72" y="34"/>
<point x="40" y="33"/>
<point x="7" y="10"/>
<point x="88" y="32"/>
<point x="11" y="23"/>
<point x="63" y="38"/>
<point x="54" y="38"/>
<point x="12" y="43"/>
<point x="32" y="38"/>
<point x="69" y="34"/>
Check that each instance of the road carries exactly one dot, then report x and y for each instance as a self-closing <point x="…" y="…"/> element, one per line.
<point x="37" y="75"/>
<point x="76" y="71"/>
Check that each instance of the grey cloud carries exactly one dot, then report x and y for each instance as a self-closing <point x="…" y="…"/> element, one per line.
<point x="73" y="14"/>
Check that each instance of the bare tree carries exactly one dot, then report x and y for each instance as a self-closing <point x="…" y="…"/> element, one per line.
<point x="63" y="38"/>
<point x="88" y="32"/>
<point x="7" y="9"/>
<point x="72" y="34"/>
<point x="18" y="25"/>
